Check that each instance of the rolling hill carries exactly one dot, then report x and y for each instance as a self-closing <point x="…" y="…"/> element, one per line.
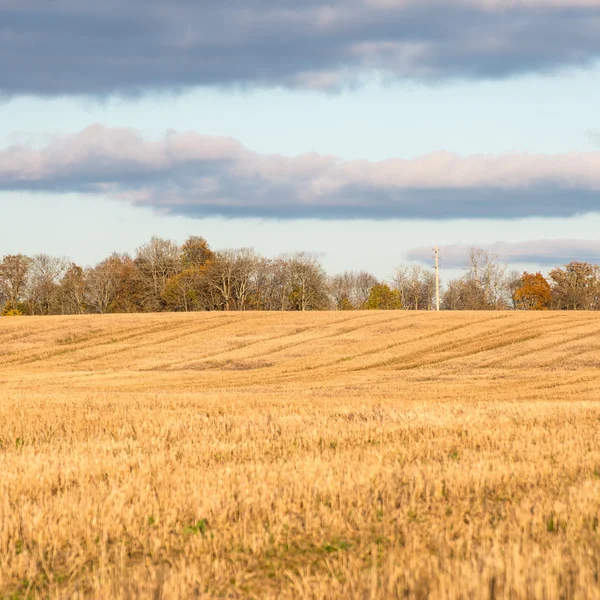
<point x="315" y="455"/>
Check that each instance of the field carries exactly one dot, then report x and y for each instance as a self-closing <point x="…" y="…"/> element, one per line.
<point x="280" y="455"/>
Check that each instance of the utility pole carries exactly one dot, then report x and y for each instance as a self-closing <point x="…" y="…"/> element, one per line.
<point x="437" y="278"/>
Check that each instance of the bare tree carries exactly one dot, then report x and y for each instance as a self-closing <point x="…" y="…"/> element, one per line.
<point x="350" y="290"/>
<point x="416" y="286"/>
<point x="463" y="294"/>
<point x="341" y="288"/>
<point x="113" y="285"/>
<point x="72" y="291"/>
<point x="246" y="265"/>
<point x="45" y="273"/>
<point x="362" y="288"/>
<point x="222" y="275"/>
<point x="485" y="286"/>
<point x="13" y="278"/>
<point x="156" y="261"/>
<point x="273" y="284"/>
<point x="308" y="283"/>
<point x="514" y="280"/>
<point x="489" y="276"/>
<point x="102" y="284"/>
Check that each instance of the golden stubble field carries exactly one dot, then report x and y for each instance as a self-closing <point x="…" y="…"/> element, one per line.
<point x="324" y="455"/>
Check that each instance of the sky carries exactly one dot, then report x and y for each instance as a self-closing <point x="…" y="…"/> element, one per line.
<point x="365" y="131"/>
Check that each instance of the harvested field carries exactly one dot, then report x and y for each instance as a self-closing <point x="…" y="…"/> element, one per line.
<point x="279" y="455"/>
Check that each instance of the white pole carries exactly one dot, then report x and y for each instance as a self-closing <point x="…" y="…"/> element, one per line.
<point x="437" y="278"/>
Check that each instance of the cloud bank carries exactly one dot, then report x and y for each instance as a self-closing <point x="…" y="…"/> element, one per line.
<point x="546" y="253"/>
<point x="195" y="175"/>
<point x="74" y="47"/>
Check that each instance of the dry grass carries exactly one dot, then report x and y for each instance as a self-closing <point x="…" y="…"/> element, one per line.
<point x="350" y="455"/>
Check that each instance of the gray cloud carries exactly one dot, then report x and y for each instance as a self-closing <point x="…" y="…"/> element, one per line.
<point x="196" y="175"/>
<point x="69" y="47"/>
<point x="545" y="253"/>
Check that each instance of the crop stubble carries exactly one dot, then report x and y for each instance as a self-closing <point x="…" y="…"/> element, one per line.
<point x="318" y="455"/>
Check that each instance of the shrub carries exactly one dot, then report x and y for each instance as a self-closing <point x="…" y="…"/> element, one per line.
<point x="11" y="311"/>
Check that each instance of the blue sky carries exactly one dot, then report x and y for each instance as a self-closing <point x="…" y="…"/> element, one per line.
<point x="300" y="145"/>
<point x="533" y="113"/>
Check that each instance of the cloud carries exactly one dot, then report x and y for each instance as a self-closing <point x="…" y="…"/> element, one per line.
<point x="190" y="174"/>
<point x="539" y="252"/>
<point x="75" y="47"/>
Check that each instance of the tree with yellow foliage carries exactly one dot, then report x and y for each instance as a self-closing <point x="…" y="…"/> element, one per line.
<point x="534" y="293"/>
<point x="382" y="297"/>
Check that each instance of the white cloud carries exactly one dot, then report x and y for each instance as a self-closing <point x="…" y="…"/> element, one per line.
<point x="189" y="173"/>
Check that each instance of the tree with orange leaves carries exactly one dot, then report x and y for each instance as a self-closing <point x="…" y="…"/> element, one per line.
<point x="534" y="293"/>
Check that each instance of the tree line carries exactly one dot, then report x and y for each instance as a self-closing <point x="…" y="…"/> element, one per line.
<point x="163" y="276"/>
